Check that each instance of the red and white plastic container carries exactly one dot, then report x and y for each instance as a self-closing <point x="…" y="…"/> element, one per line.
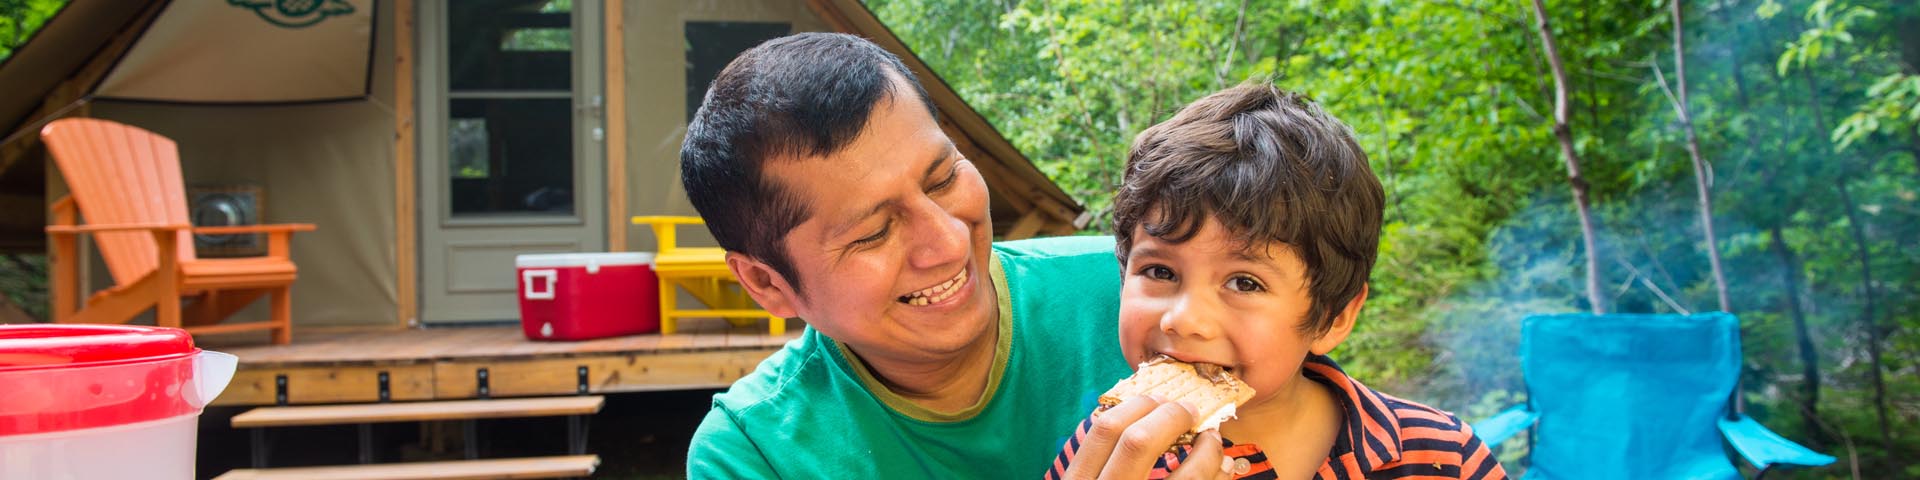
<point x="103" y="401"/>
<point x="580" y="296"/>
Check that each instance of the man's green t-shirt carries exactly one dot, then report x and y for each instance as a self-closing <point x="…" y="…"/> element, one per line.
<point x="812" y="410"/>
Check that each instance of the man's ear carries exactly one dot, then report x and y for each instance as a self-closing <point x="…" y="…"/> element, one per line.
<point x="767" y="287"/>
<point x="1342" y="325"/>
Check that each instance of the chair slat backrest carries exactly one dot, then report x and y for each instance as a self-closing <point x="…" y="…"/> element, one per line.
<point x="1630" y="396"/>
<point x="121" y="174"/>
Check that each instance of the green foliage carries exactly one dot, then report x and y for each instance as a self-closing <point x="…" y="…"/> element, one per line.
<point x="19" y="19"/>
<point x="1793" y="101"/>
<point x="23" y="282"/>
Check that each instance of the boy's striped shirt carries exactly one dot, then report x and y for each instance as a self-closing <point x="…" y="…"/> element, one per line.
<point x="1382" y="437"/>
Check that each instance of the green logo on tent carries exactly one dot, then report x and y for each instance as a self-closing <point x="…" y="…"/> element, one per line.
<point x="294" y="13"/>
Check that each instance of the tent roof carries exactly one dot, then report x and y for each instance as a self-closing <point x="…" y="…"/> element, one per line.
<point x="66" y="42"/>
<point x="1009" y="172"/>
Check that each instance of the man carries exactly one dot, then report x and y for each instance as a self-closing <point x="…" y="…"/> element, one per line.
<point x="819" y="167"/>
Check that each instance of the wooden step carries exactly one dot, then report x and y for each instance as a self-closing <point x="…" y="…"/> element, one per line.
<point x="532" y="467"/>
<point x="419" y="411"/>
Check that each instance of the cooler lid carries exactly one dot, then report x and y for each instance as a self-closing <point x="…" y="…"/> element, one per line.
<point x="550" y="260"/>
<point x="27" y="347"/>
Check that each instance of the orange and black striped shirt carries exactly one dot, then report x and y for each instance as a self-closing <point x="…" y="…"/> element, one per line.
<point x="1382" y="437"/>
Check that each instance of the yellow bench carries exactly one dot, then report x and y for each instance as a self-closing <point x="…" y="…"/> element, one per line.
<point x="701" y="272"/>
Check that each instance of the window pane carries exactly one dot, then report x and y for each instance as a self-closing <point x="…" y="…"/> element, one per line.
<point x="467" y="152"/>
<point x="511" y="45"/>
<point x="510" y="155"/>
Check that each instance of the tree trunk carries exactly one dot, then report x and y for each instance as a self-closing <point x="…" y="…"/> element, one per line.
<point x="1789" y="265"/>
<point x="1700" y="182"/>
<point x="1565" y="134"/>
<point x="1809" y="359"/>
<point x="1869" y="319"/>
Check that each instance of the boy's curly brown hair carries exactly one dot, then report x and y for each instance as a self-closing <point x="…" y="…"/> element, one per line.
<point x="1271" y="166"/>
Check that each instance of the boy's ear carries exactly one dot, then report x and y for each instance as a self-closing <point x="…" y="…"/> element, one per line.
<point x="1342" y="325"/>
<point x="767" y="287"/>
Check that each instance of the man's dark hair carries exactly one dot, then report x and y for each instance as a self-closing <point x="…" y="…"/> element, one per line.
<point x="1271" y="166"/>
<point x="800" y="96"/>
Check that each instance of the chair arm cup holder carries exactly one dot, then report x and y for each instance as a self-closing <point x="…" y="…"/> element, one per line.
<point x="1504" y="425"/>
<point x="1764" y="449"/>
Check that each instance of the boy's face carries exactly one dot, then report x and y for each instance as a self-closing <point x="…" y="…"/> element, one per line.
<point x="894" y="252"/>
<point x="1210" y="300"/>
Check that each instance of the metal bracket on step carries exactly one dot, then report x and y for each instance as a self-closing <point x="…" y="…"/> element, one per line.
<point x="386" y="389"/>
<point x="280" y="389"/>
<point x="581" y="372"/>
<point x="480" y="375"/>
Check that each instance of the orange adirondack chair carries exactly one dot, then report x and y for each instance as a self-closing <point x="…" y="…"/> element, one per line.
<point x="126" y="181"/>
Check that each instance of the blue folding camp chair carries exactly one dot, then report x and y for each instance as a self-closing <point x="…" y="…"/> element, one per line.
<point x="1635" y="396"/>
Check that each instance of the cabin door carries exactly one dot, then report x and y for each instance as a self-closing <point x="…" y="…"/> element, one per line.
<point x="511" y="154"/>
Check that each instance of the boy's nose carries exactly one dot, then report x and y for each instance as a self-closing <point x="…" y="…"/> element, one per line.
<point x="1192" y="316"/>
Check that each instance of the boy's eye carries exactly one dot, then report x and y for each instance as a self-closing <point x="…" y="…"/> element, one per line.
<point x="1245" y="284"/>
<point x="1157" y="272"/>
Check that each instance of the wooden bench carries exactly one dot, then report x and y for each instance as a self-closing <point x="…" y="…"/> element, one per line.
<point x="533" y="467"/>
<point x="418" y="411"/>
<point x="575" y="408"/>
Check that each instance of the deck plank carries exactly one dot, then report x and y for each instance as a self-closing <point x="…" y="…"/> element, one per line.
<point x="535" y="467"/>
<point x="418" y="411"/>
<point x="419" y="345"/>
<point x="439" y="363"/>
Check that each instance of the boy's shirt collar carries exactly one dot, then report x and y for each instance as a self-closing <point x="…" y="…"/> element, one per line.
<point x="1367" y="423"/>
<point x="1371" y="436"/>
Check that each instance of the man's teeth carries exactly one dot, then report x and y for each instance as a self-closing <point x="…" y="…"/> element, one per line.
<point x="937" y="293"/>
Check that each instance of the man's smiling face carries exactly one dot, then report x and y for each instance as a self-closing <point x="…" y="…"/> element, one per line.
<point x="893" y="252"/>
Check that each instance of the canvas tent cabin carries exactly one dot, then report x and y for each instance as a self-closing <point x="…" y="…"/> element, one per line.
<point x="430" y="141"/>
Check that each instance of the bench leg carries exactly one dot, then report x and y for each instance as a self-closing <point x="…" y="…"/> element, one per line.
<point x="366" y="443"/>
<point x="259" y="447"/>
<point x="576" y="435"/>
<point x="470" y="439"/>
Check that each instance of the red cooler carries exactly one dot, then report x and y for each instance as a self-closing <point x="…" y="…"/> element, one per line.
<point x="580" y="296"/>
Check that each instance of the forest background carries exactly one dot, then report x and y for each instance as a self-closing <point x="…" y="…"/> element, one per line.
<point x="1804" y="116"/>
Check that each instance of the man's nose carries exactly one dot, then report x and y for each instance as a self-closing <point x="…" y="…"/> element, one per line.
<point x="939" y="238"/>
<point x="1193" y="315"/>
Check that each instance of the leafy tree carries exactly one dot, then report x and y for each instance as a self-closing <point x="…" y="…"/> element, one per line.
<point x="1802" y="115"/>
<point x="19" y="19"/>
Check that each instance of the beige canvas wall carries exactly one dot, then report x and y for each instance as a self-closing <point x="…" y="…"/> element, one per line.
<point x="656" y="97"/>
<point x="330" y="165"/>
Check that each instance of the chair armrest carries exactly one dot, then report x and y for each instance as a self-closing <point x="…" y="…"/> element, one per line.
<point x="663" y="229"/>
<point x="275" y="228"/>
<point x="667" y="220"/>
<point x="1504" y="425"/>
<point x="95" y="228"/>
<point x="1764" y="449"/>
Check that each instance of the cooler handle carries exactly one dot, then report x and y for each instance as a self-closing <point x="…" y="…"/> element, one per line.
<point x="526" y="284"/>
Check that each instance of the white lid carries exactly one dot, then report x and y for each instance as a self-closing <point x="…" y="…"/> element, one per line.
<point x="583" y="259"/>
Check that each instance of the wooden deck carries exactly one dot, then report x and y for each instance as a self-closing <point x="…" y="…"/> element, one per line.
<point x="446" y="363"/>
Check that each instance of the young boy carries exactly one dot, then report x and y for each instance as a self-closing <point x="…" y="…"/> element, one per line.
<point x="1247" y="226"/>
